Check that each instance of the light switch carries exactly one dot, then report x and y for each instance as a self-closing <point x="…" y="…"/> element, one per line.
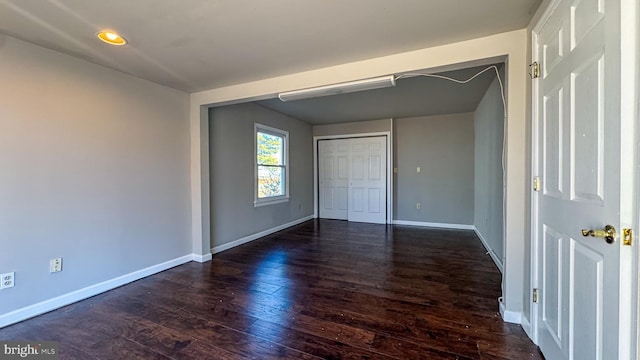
<point x="418" y="169"/>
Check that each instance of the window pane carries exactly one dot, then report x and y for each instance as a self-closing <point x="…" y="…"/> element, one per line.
<point x="270" y="181"/>
<point x="270" y="148"/>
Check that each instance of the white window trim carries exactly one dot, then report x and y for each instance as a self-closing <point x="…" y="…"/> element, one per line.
<point x="257" y="202"/>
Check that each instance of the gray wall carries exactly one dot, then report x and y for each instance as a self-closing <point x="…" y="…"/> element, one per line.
<point x="231" y="131"/>
<point x="94" y="168"/>
<point x="489" y="134"/>
<point x="442" y="146"/>
<point x="352" y="128"/>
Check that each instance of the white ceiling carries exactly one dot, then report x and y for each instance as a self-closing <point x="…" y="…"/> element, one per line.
<point x="415" y="96"/>
<point x="195" y="45"/>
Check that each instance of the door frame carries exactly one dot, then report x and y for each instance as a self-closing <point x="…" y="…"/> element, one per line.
<point x="635" y="296"/>
<point x="533" y="276"/>
<point x="535" y="166"/>
<point x="630" y="151"/>
<point x="389" y="138"/>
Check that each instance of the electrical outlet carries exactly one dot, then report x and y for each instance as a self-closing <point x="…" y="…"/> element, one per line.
<point x="418" y="169"/>
<point x="8" y="280"/>
<point x="418" y="206"/>
<point x="55" y="265"/>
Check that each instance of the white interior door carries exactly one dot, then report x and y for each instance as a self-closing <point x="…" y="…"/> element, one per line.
<point x="579" y="166"/>
<point x="368" y="180"/>
<point x="333" y="170"/>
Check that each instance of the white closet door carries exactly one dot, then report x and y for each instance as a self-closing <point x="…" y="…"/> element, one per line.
<point x="368" y="180"/>
<point x="334" y="178"/>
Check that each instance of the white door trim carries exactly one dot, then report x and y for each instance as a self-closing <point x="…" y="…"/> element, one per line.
<point x="535" y="57"/>
<point x="630" y="131"/>
<point x="386" y="134"/>
<point x="535" y="162"/>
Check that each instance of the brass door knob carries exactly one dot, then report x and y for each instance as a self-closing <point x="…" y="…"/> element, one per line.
<point x="608" y="233"/>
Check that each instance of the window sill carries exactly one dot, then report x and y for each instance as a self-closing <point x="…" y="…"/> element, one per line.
<point x="265" y="202"/>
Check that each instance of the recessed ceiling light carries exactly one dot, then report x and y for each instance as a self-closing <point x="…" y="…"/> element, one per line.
<point x="111" y="37"/>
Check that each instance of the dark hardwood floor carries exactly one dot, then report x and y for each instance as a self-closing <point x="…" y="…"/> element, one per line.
<point x="321" y="290"/>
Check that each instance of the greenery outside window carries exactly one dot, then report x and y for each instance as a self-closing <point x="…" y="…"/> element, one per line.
<point x="271" y="171"/>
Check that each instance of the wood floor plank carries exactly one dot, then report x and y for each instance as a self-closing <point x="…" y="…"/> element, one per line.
<point x="323" y="289"/>
<point x="322" y="347"/>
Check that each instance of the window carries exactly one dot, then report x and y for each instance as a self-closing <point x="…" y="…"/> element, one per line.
<point x="272" y="173"/>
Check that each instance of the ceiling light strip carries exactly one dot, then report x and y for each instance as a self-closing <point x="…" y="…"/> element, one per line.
<point x="342" y="88"/>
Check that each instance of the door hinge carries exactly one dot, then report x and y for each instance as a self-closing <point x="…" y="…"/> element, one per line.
<point x="627" y="237"/>
<point x="535" y="295"/>
<point x="534" y="70"/>
<point x="536" y="183"/>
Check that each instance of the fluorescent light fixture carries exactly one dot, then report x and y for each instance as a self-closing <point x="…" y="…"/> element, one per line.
<point x="342" y="88"/>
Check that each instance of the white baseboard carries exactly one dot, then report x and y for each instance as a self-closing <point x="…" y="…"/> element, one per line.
<point x="202" y="258"/>
<point x="526" y="325"/>
<point x="434" y="225"/>
<point x="87" y="292"/>
<point x="246" y="239"/>
<point x="493" y="255"/>
<point x="510" y="316"/>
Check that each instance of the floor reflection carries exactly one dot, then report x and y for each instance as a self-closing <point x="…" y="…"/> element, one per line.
<point x="270" y="294"/>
